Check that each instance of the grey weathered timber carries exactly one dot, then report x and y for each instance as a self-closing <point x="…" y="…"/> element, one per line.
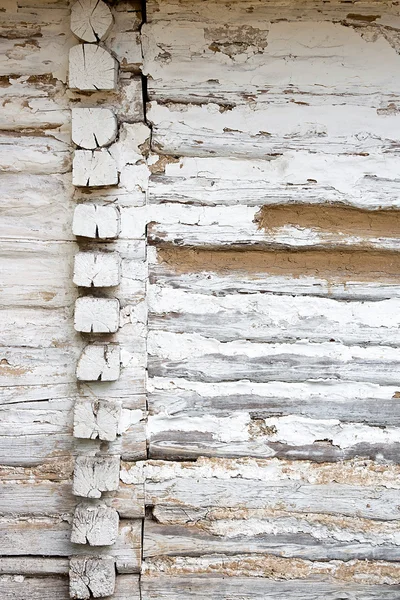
<point x="247" y="588"/>
<point x="51" y="537"/>
<point x="96" y="525"/>
<point x="48" y="588"/>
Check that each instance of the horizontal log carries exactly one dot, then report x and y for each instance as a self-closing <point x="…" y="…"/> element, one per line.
<point x="365" y="182"/>
<point x="246" y="588"/>
<point x="304" y="537"/>
<point x="48" y="588"/>
<point x="273" y="318"/>
<point x="42" y="432"/>
<point x="27" y="565"/>
<point x="294" y="226"/>
<point x="51" y="537"/>
<point x="33" y="497"/>
<point x="346" y="402"/>
<point x="341" y="275"/>
<point x="251" y="57"/>
<point x="191" y="355"/>
<point x="335" y="490"/>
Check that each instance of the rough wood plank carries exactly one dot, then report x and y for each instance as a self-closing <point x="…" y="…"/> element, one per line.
<point x="97" y="315"/>
<point x="89" y="576"/>
<point x="305" y="537"/>
<point x="191" y="355"/>
<point x="34" y="497"/>
<point x="339" y="490"/>
<point x="51" y="537"/>
<point x="344" y="402"/>
<point x="93" y="127"/>
<point x="99" y="363"/>
<point x="94" y="169"/>
<point x="249" y="588"/>
<point x="266" y="317"/>
<point x="341" y="275"/>
<point x="91" y="20"/>
<point x="96" y="525"/>
<point x="95" y="475"/>
<point x="48" y="588"/>
<point x="190" y="57"/>
<point x="92" y="68"/>
<point x="296" y="226"/>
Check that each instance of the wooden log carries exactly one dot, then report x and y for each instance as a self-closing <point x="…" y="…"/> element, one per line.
<point x="95" y="475"/>
<point x="89" y="576"/>
<point x="257" y="535"/>
<point x="46" y="498"/>
<point x="351" y="275"/>
<point x="280" y="227"/>
<point x="48" y="588"/>
<point x="51" y="537"/>
<point x="96" y="221"/>
<point x="252" y="588"/>
<point x="93" y="127"/>
<point x="99" y="363"/>
<point x="331" y="490"/>
<point x="91" y="20"/>
<point x="96" y="525"/>
<point x="92" y="68"/>
<point x="95" y="269"/>
<point x="97" y="419"/>
<point x="94" y="169"/>
<point x="96" y="315"/>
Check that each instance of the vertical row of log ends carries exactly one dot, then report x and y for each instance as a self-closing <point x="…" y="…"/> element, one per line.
<point x="92" y="67"/>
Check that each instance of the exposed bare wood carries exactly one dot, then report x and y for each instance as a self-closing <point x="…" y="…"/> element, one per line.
<point x="94" y="524"/>
<point x="91" y="577"/>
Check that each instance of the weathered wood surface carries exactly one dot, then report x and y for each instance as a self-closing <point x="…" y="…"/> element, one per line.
<point x="48" y="588"/>
<point x="51" y="537"/>
<point x="39" y="497"/>
<point x="247" y="588"/>
<point x="91" y="577"/>
<point x="259" y="508"/>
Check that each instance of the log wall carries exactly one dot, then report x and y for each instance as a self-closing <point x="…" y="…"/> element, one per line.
<point x="257" y="162"/>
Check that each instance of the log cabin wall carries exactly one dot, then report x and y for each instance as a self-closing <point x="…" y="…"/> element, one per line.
<point x="256" y="412"/>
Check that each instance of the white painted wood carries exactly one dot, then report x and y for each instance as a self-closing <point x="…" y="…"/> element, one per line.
<point x="93" y="127"/>
<point x="92" y="68"/>
<point x="96" y="221"/>
<point x="96" y="525"/>
<point x="97" y="419"/>
<point x="91" y="20"/>
<point x="94" y="169"/>
<point x="96" y="315"/>
<point x="97" y="269"/>
<point x="99" y="363"/>
<point x="95" y="475"/>
<point x="91" y="577"/>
